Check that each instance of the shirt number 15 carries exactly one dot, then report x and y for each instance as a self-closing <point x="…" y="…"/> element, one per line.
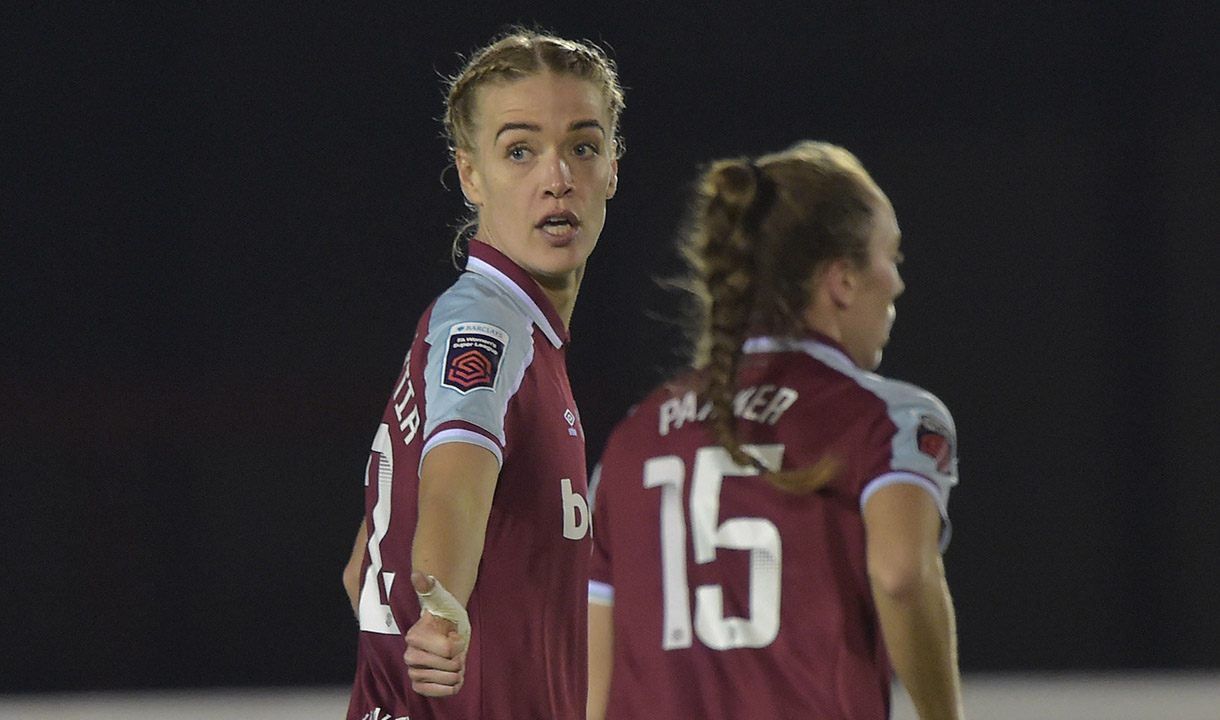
<point x="757" y="535"/>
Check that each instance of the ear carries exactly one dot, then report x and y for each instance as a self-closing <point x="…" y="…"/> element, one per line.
<point x="613" y="187"/>
<point x="472" y="182"/>
<point x="842" y="282"/>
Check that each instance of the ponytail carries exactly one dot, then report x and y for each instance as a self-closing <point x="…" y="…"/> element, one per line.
<point x="736" y="194"/>
<point x="759" y="231"/>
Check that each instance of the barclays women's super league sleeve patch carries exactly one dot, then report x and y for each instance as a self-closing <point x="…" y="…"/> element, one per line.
<point x="472" y="356"/>
<point x="935" y="439"/>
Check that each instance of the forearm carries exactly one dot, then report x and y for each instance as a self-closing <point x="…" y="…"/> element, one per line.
<point x="448" y="545"/>
<point x="457" y="482"/>
<point x="351" y="572"/>
<point x="920" y="635"/>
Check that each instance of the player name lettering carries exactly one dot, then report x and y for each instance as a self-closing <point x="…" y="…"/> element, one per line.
<point x="405" y="410"/>
<point x="761" y="404"/>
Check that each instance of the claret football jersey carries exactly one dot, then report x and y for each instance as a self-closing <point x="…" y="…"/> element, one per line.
<point x="486" y="367"/>
<point x="735" y="599"/>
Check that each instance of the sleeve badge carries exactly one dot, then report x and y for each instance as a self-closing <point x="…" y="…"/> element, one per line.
<point x="934" y="439"/>
<point x="473" y="354"/>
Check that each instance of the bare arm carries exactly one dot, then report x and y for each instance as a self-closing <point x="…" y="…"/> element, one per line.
<point x="912" y="597"/>
<point x="456" y="484"/>
<point x="351" y="571"/>
<point x="601" y="658"/>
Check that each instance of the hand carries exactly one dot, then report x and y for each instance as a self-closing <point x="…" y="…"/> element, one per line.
<point x="436" y="653"/>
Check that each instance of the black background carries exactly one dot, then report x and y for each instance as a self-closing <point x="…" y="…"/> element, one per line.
<point x="221" y="222"/>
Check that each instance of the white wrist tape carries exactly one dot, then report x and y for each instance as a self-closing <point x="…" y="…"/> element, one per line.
<point x="441" y="603"/>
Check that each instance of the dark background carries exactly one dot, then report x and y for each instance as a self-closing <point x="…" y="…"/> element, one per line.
<point x="221" y="221"/>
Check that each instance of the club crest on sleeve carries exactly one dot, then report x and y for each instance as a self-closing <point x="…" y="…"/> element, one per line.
<point x="934" y="440"/>
<point x="472" y="356"/>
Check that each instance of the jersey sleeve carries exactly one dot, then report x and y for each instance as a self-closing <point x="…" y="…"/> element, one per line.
<point x="479" y="348"/>
<point x="922" y="449"/>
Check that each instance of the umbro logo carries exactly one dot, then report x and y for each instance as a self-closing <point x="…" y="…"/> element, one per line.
<point x="571" y="418"/>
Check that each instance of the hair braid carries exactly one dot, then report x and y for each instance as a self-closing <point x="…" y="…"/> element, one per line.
<point x="732" y="195"/>
<point x="758" y="233"/>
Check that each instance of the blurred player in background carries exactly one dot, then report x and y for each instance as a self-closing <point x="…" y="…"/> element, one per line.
<point x="769" y="526"/>
<point x="470" y="572"/>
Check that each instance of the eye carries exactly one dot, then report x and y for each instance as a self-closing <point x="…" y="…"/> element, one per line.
<point x="518" y="152"/>
<point x="586" y="149"/>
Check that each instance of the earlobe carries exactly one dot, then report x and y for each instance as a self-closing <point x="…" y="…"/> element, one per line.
<point x="841" y="282"/>
<point x="469" y="178"/>
<point x="613" y="187"/>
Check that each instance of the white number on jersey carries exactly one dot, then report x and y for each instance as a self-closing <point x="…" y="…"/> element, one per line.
<point x="758" y="535"/>
<point x="374" y="615"/>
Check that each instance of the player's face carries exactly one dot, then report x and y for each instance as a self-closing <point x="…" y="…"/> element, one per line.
<point x="868" y="319"/>
<point x="541" y="172"/>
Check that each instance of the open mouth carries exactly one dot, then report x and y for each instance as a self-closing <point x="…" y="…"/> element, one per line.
<point x="559" y="224"/>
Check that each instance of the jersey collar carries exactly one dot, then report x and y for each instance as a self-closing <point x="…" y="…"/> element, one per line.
<point x="806" y="344"/>
<point x="491" y="263"/>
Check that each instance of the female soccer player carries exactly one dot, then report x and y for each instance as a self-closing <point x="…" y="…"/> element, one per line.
<point x="473" y="578"/>
<point x="769" y="526"/>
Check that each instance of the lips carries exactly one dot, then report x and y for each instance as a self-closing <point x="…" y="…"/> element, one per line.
<point x="559" y="226"/>
<point x="558" y="219"/>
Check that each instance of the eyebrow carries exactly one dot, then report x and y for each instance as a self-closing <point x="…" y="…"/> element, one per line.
<point x="516" y="126"/>
<point x="532" y="127"/>
<point x="582" y="124"/>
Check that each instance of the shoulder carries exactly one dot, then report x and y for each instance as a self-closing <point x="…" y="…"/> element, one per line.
<point x="877" y="390"/>
<point x="638" y="434"/>
<point x="914" y="426"/>
<point x="924" y="439"/>
<point x="667" y="407"/>
<point x="476" y="299"/>
<point x="905" y="397"/>
<point x="910" y="407"/>
<point x="475" y="334"/>
<point x="476" y="314"/>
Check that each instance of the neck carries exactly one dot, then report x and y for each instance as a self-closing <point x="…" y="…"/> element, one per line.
<point x="821" y="320"/>
<point x="562" y="292"/>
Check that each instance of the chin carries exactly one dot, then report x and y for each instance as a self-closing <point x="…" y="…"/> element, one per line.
<point x="553" y="272"/>
<point x="563" y="259"/>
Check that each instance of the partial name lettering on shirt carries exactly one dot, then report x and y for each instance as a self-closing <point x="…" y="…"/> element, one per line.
<point x="761" y="404"/>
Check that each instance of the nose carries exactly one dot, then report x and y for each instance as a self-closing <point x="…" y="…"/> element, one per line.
<point x="558" y="182"/>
